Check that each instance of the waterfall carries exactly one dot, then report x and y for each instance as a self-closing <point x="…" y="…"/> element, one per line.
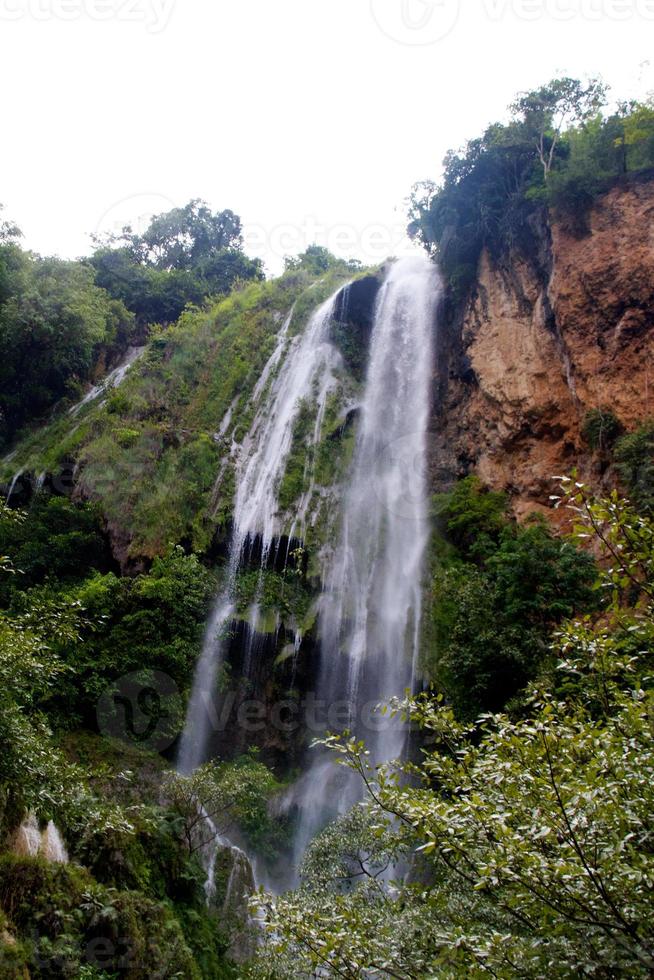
<point x="12" y="486"/>
<point x="30" y="841"/>
<point x="370" y="607"/>
<point x="52" y="845"/>
<point x="371" y="602"/>
<point x="285" y="383"/>
<point x="27" y="841"/>
<point x="112" y="380"/>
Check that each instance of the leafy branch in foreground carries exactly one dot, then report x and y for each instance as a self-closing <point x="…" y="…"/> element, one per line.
<point x="532" y="838"/>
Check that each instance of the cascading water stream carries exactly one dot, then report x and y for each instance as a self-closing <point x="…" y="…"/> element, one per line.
<point x="259" y="472"/>
<point x="371" y="603"/>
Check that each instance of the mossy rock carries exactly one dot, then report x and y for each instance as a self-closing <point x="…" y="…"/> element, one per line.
<point x="70" y="923"/>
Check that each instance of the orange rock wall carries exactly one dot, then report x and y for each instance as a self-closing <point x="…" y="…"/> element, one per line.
<point x="542" y="340"/>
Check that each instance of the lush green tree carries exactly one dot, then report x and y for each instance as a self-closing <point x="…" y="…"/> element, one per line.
<point x="496" y="597"/>
<point x="34" y="775"/>
<point x="562" y="103"/>
<point x="472" y="516"/>
<point x="638" y="138"/>
<point x="601" y="427"/>
<point x="182" y="257"/>
<point x="152" y="622"/>
<point x="317" y="259"/>
<point x="634" y="456"/>
<point x="557" y="150"/>
<point x="61" y="541"/>
<point x="54" y="321"/>
<point x="184" y="237"/>
<point x="219" y="797"/>
<point x="9" y="231"/>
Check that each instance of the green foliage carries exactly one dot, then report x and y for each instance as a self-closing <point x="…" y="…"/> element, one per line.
<point x="234" y="795"/>
<point x="284" y="593"/>
<point x="473" y="517"/>
<point x="34" y="774"/>
<point x="60" y="540"/>
<point x="154" y="620"/>
<point x="634" y="455"/>
<point x="495" y="599"/>
<point x="557" y="150"/>
<point x="354" y="343"/>
<point x="317" y="260"/>
<point x="141" y="882"/>
<point x="182" y="257"/>
<point x="73" y="925"/>
<point x="350" y="851"/>
<point x="532" y="837"/>
<point x="54" y="322"/>
<point x="300" y="458"/>
<point x="546" y="111"/>
<point x="600" y="428"/>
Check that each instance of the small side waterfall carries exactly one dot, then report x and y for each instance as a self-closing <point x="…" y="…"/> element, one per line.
<point x="112" y="380"/>
<point x="259" y="471"/>
<point x="30" y="841"/>
<point x="52" y="845"/>
<point x="371" y="604"/>
<point x="27" y="840"/>
<point x="12" y="486"/>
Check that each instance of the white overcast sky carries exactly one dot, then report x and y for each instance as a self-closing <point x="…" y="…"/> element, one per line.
<point x="310" y="118"/>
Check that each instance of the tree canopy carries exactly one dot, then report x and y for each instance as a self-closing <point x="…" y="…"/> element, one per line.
<point x="183" y="256"/>
<point x="557" y="150"/>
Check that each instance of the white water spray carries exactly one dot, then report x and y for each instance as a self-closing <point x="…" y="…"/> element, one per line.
<point x="30" y="841"/>
<point x="371" y="605"/>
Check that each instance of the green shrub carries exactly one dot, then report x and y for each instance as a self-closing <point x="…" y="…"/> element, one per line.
<point x="69" y="921"/>
<point x="495" y="598"/>
<point x="59" y="541"/>
<point x="472" y="516"/>
<point x="634" y="455"/>
<point x="600" y="428"/>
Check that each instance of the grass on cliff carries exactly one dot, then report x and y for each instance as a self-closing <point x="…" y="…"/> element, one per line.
<point x="151" y="452"/>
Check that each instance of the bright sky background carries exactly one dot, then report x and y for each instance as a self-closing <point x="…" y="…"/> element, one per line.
<point x="309" y="118"/>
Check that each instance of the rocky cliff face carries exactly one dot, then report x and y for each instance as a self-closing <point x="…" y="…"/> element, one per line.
<point x="561" y="327"/>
